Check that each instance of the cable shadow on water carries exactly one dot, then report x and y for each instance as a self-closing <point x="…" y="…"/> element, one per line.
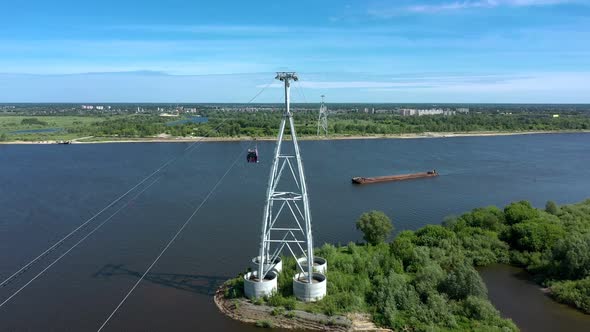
<point x="199" y="284"/>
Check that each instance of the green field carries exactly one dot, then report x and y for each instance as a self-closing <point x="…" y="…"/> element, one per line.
<point x="74" y="127"/>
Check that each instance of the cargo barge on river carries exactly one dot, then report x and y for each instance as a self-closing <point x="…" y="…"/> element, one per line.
<point x="388" y="178"/>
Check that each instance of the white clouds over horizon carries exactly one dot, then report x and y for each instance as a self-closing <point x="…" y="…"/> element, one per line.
<point x="542" y="87"/>
<point x="388" y="11"/>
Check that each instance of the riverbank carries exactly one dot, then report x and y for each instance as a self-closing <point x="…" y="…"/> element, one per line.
<point x="262" y="315"/>
<point x="162" y="139"/>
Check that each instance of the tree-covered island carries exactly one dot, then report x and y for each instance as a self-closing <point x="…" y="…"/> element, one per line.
<point x="426" y="280"/>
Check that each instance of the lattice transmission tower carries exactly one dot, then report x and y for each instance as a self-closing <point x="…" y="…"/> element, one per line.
<point x="286" y="224"/>
<point x="323" y="119"/>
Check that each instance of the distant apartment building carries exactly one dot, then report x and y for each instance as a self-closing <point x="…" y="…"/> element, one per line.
<point x="408" y="112"/>
<point x="421" y="112"/>
<point x="462" y="110"/>
<point x="87" y="107"/>
<point x="100" y="108"/>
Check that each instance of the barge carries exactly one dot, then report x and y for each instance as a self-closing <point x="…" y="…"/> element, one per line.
<point x="388" y="178"/>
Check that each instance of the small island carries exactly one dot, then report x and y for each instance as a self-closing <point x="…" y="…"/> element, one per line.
<point x="426" y="280"/>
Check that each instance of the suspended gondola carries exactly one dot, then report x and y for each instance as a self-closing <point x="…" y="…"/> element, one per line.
<point x="252" y="156"/>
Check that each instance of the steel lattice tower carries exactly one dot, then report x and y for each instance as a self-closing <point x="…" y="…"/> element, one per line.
<point x="323" y="119"/>
<point x="296" y="237"/>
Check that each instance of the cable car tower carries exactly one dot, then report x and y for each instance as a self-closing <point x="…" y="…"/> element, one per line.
<point x="292" y="233"/>
<point x="323" y="119"/>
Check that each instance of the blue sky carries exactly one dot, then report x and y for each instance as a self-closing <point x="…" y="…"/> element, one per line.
<point x="535" y="51"/>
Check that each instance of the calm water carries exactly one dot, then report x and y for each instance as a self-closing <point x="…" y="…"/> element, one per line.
<point x="48" y="190"/>
<point x="517" y="297"/>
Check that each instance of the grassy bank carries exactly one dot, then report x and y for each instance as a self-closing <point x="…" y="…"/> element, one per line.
<point x="236" y="125"/>
<point x="425" y="280"/>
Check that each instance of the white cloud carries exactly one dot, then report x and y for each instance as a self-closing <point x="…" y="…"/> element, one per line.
<point x="464" y="4"/>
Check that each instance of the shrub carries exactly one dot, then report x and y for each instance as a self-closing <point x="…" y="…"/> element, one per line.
<point x="519" y="211"/>
<point x="535" y="234"/>
<point x="235" y="288"/>
<point x="433" y="235"/>
<point x="278" y="311"/>
<point x="489" y="217"/>
<point x="576" y="293"/>
<point x="571" y="257"/>
<point x="551" y="207"/>
<point x="264" y="323"/>
<point x="462" y="282"/>
<point x="403" y="246"/>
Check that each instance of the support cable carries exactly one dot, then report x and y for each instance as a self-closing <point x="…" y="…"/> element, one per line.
<point x="170" y="242"/>
<point x="163" y="166"/>
<point x="77" y="243"/>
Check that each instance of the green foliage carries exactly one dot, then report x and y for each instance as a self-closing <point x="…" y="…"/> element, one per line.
<point x="3" y="137"/>
<point x="535" y="234"/>
<point x="490" y="218"/>
<point x="551" y="207"/>
<point x="234" y="288"/>
<point x="278" y="311"/>
<point x="483" y="247"/>
<point x="264" y="323"/>
<point x="571" y="257"/>
<point x="32" y="122"/>
<point x="434" y="236"/>
<point x="576" y="293"/>
<point x="375" y="225"/>
<point x="426" y="281"/>
<point x="278" y="300"/>
<point x="462" y="282"/>
<point x="520" y="211"/>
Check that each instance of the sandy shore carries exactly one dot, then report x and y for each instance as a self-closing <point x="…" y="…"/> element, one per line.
<point x="96" y="140"/>
<point x="245" y="311"/>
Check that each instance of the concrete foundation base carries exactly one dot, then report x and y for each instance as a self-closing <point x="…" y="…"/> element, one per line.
<point x="277" y="265"/>
<point x="253" y="288"/>
<point x="309" y="292"/>
<point x="319" y="264"/>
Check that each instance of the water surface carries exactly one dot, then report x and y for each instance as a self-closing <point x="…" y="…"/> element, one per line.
<point x="512" y="291"/>
<point x="48" y="190"/>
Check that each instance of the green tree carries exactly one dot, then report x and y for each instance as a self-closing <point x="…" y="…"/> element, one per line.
<point x="463" y="281"/>
<point x="551" y="207"/>
<point x="375" y="225"/>
<point x="433" y="235"/>
<point x="520" y="211"/>
<point x="572" y="257"/>
<point x="3" y="137"/>
<point x="536" y="234"/>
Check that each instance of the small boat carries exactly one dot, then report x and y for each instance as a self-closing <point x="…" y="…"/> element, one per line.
<point x="388" y="178"/>
<point x="64" y="142"/>
<point x="252" y="156"/>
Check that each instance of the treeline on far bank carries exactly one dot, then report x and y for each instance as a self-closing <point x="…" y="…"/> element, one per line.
<point x="265" y="124"/>
<point x="425" y="280"/>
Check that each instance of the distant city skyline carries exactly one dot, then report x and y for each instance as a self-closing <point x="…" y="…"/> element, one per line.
<point x="424" y="51"/>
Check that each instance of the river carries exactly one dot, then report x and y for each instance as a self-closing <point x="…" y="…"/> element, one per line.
<point x="48" y="190"/>
<point x="512" y="291"/>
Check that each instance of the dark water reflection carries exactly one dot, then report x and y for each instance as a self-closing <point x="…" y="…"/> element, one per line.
<point x="48" y="190"/>
<point x="517" y="297"/>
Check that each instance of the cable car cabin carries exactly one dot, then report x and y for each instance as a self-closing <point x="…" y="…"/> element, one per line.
<point x="252" y="156"/>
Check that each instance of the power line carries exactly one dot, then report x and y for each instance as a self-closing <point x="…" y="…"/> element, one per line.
<point x="164" y="165"/>
<point x="170" y="242"/>
<point x="77" y="243"/>
<point x="5" y="282"/>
